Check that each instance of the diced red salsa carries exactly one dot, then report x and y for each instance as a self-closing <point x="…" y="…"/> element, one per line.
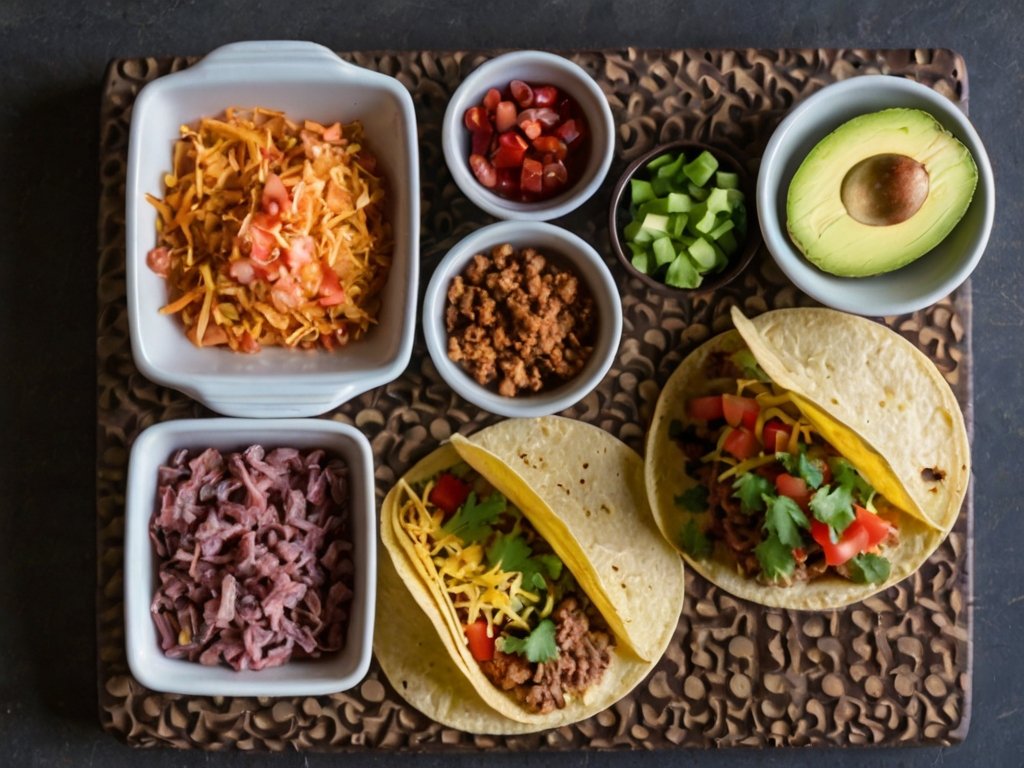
<point x="528" y="142"/>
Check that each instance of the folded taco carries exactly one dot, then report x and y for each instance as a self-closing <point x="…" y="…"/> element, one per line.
<point x="807" y="459"/>
<point x="549" y="586"/>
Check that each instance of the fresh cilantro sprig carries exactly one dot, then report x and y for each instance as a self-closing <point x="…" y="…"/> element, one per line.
<point x="512" y="553"/>
<point x="783" y="518"/>
<point x="693" y="499"/>
<point x="846" y="475"/>
<point x="472" y="521"/>
<point x="744" y="360"/>
<point x="751" y="489"/>
<point x="538" y="647"/>
<point x="695" y="541"/>
<point x="800" y="466"/>
<point x="868" y="568"/>
<point x="776" y="558"/>
<point x="834" y="507"/>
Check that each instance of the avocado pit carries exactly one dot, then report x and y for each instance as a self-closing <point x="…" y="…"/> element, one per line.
<point x="883" y="190"/>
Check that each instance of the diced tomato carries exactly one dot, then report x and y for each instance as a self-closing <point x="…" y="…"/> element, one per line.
<point x="532" y="128"/>
<point x="853" y="541"/>
<point x="333" y="132"/>
<point x="776" y="435"/>
<point x="505" y="116"/>
<point x="545" y="95"/>
<point x="275" y="198"/>
<point x="521" y="92"/>
<point x="159" y="260"/>
<point x="511" y="151"/>
<point x="482" y="139"/>
<point x="483" y="170"/>
<point x="568" y="131"/>
<point x="300" y="251"/>
<point x="740" y="410"/>
<point x="475" y="119"/>
<point x="331" y="291"/>
<point x="481" y="647"/>
<point x="507" y="182"/>
<point x="491" y="99"/>
<point x="741" y="443"/>
<point x="707" y="408"/>
<point x="550" y="145"/>
<point x="793" y="487"/>
<point x="449" y="493"/>
<point x="555" y="175"/>
<point x="877" y="528"/>
<point x="532" y="177"/>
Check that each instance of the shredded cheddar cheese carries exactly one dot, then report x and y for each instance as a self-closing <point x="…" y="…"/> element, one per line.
<point x="476" y="589"/>
<point x="272" y="232"/>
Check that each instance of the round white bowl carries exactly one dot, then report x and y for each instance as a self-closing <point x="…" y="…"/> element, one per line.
<point x="532" y="67"/>
<point x="920" y="283"/>
<point x="551" y="241"/>
<point x="332" y="672"/>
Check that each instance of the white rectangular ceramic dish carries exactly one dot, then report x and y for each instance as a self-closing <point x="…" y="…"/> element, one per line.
<point x="331" y="672"/>
<point x="306" y="81"/>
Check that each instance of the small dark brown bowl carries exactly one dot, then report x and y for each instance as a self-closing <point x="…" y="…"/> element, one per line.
<point x="618" y="217"/>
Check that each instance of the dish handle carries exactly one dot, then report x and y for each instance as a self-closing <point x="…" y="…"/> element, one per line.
<point x="250" y="54"/>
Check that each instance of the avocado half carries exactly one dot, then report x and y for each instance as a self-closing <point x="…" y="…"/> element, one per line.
<point x="880" y="191"/>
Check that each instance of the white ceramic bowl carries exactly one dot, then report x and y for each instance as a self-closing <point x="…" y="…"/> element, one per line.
<point x="305" y="81"/>
<point x="534" y="67"/>
<point x="920" y="283"/>
<point x="551" y="241"/>
<point x="308" y="677"/>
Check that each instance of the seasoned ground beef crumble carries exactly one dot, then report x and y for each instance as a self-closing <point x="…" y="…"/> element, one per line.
<point x="518" y="321"/>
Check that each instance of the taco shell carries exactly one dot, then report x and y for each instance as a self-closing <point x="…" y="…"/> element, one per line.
<point x="642" y="563"/>
<point x="872" y="395"/>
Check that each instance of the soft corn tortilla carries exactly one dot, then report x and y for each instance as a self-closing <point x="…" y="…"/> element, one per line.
<point x="607" y="510"/>
<point x="857" y="360"/>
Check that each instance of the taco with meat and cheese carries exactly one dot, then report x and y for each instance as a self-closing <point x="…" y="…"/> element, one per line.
<point x="807" y="459"/>
<point x="531" y="552"/>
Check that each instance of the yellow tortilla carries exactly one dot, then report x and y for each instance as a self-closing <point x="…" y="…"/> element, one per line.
<point x="881" y="453"/>
<point x="609" y="507"/>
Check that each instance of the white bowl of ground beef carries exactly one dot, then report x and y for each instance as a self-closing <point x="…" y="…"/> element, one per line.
<point x="250" y="557"/>
<point x="522" y="318"/>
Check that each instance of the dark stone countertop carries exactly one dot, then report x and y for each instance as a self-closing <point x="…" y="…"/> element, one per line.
<point x="53" y="56"/>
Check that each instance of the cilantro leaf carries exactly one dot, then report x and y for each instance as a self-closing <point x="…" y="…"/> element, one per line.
<point x="538" y="647"/>
<point x="783" y="518"/>
<point x="750" y="489"/>
<point x="802" y="467"/>
<point x="872" y="569"/>
<point x="693" y="499"/>
<point x="744" y="360"/>
<point x="846" y="475"/>
<point x="694" y="541"/>
<point x="834" y="508"/>
<point x="512" y="553"/>
<point x="472" y="521"/>
<point x="776" y="558"/>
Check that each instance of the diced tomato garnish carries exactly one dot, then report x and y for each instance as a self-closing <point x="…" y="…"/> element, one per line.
<point x="532" y="177"/>
<point x="568" y="131"/>
<point x="333" y="132"/>
<point x="491" y="99"/>
<point x="275" y="198"/>
<point x="449" y="493"/>
<point x="505" y="116"/>
<point x="521" y="92"/>
<point x="776" y="435"/>
<point x="481" y="647"/>
<point x="741" y="443"/>
<point x="545" y="96"/>
<point x="300" y="251"/>
<point x="740" y="410"/>
<point x="331" y="290"/>
<point x="877" y="528"/>
<point x="481" y="139"/>
<point x="853" y="541"/>
<point x="483" y="170"/>
<point x="510" y="152"/>
<point x="707" y="408"/>
<point x="475" y="119"/>
<point x="793" y="487"/>
<point x="159" y="260"/>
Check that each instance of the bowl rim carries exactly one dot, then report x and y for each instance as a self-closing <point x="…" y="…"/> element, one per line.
<point x="736" y="266"/>
<point x="156" y="671"/>
<point x="595" y="273"/>
<point x="800" y="271"/>
<point x="276" y="392"/>
<point x="543" y="210"/>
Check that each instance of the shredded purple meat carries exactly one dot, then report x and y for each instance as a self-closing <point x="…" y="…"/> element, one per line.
<point x="255" y="558"/>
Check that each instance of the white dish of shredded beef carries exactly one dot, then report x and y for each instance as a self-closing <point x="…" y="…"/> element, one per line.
<point x="250" y="557"/>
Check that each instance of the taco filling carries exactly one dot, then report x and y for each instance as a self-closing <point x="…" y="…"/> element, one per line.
<point x="525" y="620"/>
<point x="770" y="490"/>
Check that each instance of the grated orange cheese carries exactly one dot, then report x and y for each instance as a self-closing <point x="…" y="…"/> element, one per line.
<point x="305" y="274"/>
<point x="475" y="589"/>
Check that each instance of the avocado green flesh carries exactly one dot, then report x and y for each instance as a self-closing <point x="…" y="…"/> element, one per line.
<point x="832" y="239"/>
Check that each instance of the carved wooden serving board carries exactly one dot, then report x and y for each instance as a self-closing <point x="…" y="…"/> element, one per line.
<point x="894" y="669"/>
